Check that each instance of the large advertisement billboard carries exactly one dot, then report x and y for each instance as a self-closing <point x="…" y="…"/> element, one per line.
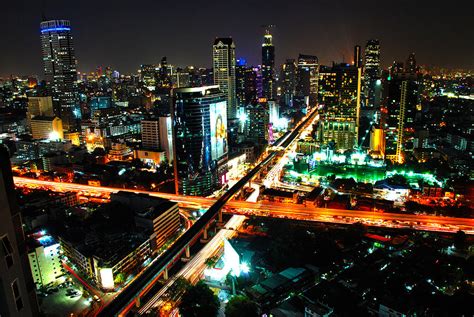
<point x="218" y="118"/>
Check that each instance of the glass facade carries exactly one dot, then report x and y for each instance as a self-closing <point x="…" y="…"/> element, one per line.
<point x="200" y="136"/>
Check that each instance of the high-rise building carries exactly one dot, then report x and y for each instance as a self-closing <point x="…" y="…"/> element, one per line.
<point x="268" y="65"/>
<point x="410" y="65"/>
<point x="357" y="62"/>
<point x="150" y="130"/>
<point x="308" y="77"/>
<point x="259" y="119"/>
<point x="340" y="94"/>
<point x="200" y="139"/>
<point x="327" y="89"/>
<point x="340" y="90"/>
<point x="17" y="290"/>
<point x="164" y="78"/>
<point x="60" y="72"/>
<point x="148" y="76"/>
<point x="166" y="137"/>
<point x="45" y="259"/>
<point x="43" y="127"/>
<point x="401" y="101"/>
<point x="288" y="78"/>
<point x="246" y="85"/>
<point x="157" y="135"/>
<point x="223" y="57"/>
<point x="372" y="73"/>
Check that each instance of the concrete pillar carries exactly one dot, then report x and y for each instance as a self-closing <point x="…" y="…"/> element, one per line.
<point x="165" y="274"/>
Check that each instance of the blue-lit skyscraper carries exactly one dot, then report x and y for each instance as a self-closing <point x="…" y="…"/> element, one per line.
<point x="60" y="68"/>
<point x="199" y="118"/>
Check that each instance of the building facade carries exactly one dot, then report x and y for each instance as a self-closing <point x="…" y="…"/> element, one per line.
<point x="200" y="140"/>
<point x="268" y="66"/>
<point x="59" y="62"/>
<point x="17" y="290"/>
<point x="47" y="128"/>
<point x="372" y="73"/>
<point x="223" y="58"/>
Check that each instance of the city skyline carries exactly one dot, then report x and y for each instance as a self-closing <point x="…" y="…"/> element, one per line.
<point x="155" y="32"/>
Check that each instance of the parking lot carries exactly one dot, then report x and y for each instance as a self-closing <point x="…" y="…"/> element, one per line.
<point x="64" y="302"/>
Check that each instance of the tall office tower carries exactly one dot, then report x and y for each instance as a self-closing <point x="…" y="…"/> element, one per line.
<point x="340" y="94"/>
<point x="259" y="118"/>
<point x="308" y="77"/>
<point x="150" y="130"/>
<point x="410" y="65"/>
<point x="223" y="56"/>
<point x="246" y="86"/>
<point x="60" y="68"/>
<point x="199" y="118"/>
<point x="164" y="78"/>
<point x="268" y="65"/>
<point x="372" y="74"/>
<point x="240" y="73"/>
<point x="288" y="81"/>
<point x="357" y="56"/>
<point x="148" y="76"/>
<point x="327" y="89"/>
<point x="401" y="100"/>
<point x="17" y="290"/>
<point x="157" y="135"/>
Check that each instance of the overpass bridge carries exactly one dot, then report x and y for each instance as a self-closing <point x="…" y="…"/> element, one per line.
<point x="131" y="295"/>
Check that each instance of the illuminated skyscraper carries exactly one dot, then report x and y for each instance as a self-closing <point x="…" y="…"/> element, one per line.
<point x="340" y="94"/>
<point x="200" y="140"/>
<point x="246" y="86"/>
<point x="60" y="68"/>
<point x="288" y="81"/>
<point x="372" y="73"/>
<point x="308" y="77"/>
<point x="223" y="57"/>
<point x="268" y="65"/>
<point x="401" y="100"/>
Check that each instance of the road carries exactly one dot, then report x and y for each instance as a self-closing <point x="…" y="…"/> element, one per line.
<point x="280" y="210"/>
<point x="193" y="269"/>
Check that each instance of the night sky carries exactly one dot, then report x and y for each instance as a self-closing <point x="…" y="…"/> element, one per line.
<point x="126" y="33"/>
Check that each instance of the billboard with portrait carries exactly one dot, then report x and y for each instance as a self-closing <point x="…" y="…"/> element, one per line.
<point x="218" y="118"/>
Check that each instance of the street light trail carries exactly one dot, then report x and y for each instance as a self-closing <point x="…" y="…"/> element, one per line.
<point x="193" y="269"/>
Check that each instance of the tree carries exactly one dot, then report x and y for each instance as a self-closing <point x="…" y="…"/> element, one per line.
<point x="199" y="301"/>
<point x="120" y="278"/>
<point x="239" y="306"/>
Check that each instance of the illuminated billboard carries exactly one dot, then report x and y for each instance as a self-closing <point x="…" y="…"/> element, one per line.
<point x="218" y="118"/>
<point x="107" y="278"/>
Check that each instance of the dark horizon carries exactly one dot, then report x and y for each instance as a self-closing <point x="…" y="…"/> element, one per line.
<point x="124" y="35"/>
